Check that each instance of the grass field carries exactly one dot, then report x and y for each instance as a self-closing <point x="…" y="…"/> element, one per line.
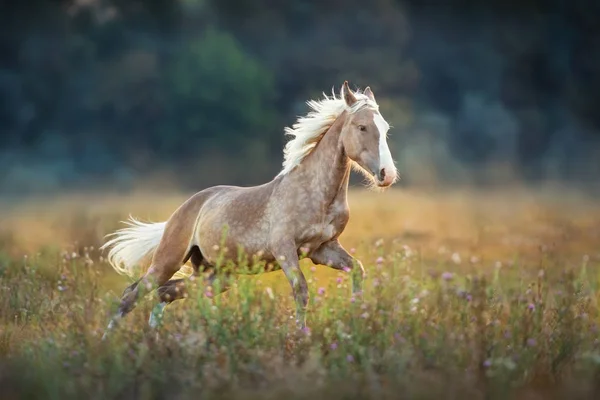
<point x="469" y="295"/>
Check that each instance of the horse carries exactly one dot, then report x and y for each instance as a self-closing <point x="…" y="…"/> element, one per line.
<point x="303" y="210"/>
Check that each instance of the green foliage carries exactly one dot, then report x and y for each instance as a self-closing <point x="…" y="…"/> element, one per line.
<point x="102" y="91"/>
<point x="217" y="93"/>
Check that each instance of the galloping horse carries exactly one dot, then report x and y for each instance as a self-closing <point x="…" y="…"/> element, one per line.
<point x="303" y="210"/>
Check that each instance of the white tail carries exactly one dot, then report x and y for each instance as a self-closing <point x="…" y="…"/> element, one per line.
<point x="131" y="245"/>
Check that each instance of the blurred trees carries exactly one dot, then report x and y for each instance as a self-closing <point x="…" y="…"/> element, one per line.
<point x="108" y="90"/>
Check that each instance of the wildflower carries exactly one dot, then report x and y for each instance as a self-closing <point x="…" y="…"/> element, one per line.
<point x="365" y="315"/>
<point x="304" y="250"/>
<point x="333" y="346"/>
<point x="321" y="291"/>
<point x="313" y="269"/>
<point x="61" y="288"/>
<point x="375" y="282"/>
<point x="447" y="276"/>
<point x="487" y="363"/>
<point x="339" y="280"/>
<point x="352" y="250"/>
<point x="379" y="260"/>
<point x="469" y="297"/>
<point x="346" y="269"/>
<point x="306" y="330"/>
<point x="456" y="258"/>
<point x="531" y="342"/>
<point x="531" y="307"/>
<point x="350" y="358"/>
<point x="352" y="299"/>
<point x="270" y="293"/>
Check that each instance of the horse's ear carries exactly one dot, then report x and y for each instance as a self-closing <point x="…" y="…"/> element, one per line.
<point x="369" y="93"/>
<point x="348" y="95"/>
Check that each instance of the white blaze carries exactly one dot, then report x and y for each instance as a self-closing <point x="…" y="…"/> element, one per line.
<point x="385" y="157"/>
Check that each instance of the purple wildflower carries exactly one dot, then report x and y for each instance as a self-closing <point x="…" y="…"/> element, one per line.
<point x="350" y="358"/>
<point x="333" y="346"/>
<point x="339" y="280"/>
<point x="531" y="342"/>
<point x="379" y="260"/>
<point x="321" y="291"/>
<point x="487" y="363"/>
<point x="447" y="276"/>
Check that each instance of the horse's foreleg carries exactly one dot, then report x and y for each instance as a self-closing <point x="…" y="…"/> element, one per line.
<point x="335" y="256"/>
<point x="287" y="256"/>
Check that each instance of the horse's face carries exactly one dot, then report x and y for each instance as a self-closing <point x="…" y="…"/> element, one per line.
<point x="364" y="137"/>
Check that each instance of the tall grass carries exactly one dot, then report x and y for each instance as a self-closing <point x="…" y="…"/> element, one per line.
<point x="498" y="308"/>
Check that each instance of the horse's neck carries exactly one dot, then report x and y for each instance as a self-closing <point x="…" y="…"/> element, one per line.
<point x="326" y="170"/>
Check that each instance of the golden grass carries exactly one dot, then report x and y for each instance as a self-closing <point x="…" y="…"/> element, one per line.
<point x="490" y="225"/>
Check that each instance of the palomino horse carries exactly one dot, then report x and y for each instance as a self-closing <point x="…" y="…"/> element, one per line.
<point x="304" y="209"/>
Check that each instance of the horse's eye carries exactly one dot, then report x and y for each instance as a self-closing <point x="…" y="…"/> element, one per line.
<point x="362" y="128"/>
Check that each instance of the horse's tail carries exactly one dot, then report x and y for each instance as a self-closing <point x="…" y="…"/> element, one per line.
<point x="131" y="245"/>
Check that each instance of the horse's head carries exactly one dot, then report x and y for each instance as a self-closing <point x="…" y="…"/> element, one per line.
<point x="364" y="137"/>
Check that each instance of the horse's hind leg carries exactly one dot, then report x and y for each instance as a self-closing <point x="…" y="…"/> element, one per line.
<point x="167" y="260"/>
<point x="177" y="289"/>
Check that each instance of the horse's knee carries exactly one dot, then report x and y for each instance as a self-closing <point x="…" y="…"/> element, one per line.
<point x="301" y="293"/>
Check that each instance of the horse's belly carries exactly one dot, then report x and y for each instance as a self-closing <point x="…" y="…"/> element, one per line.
<point x="232" y="244"/>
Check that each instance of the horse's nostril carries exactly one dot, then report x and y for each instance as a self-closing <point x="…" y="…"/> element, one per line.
<point x="382" y="174"/>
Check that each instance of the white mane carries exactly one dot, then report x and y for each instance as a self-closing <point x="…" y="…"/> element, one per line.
<point x="309" y="129"/>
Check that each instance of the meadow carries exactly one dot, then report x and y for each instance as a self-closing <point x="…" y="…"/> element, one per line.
<point x="469" y="294"/>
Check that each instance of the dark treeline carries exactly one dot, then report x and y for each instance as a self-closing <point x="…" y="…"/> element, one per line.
<point x="110" y="92"/>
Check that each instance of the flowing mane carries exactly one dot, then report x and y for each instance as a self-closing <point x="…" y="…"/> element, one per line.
<point x="309" y="129"/>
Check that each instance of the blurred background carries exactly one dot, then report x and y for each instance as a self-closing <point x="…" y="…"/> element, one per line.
<point x="118" y="94"/>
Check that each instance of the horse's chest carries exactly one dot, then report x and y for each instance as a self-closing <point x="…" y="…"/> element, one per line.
<point x="326" y="229"/>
